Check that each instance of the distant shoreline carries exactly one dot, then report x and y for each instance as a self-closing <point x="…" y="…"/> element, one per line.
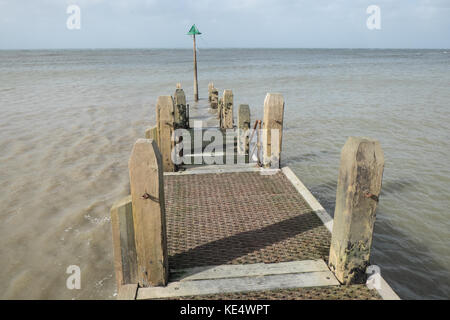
<point x="237" y="48"/>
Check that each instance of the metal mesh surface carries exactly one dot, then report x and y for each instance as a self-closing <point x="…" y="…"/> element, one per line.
<point x="354" y="292"/>
<point x="242" y="218"/>
<point x="238" y="218"/>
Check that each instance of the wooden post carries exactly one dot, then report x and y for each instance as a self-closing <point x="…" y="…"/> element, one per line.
<point x="243" y="128"/>
<point x="125" y="263"/>
<point x="359" y="186"/>
<point x="165" y="121"/>
<point x="147" y="196"/>
<point x="195" y="72"/>
<point x="180" y="117"/>
<point x="214" y="98"/>
<point x="210" y="89"/>
<point x="227" y="110"/>
<point x="152" y="133"/>
<point x="219" y="111"/>
<point x="272" y="129"/>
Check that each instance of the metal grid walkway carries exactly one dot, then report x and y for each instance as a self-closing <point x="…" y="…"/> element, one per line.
<point x="353" y="292"/>
<point x="243" y="218"/>
<point x="239" y="218"/>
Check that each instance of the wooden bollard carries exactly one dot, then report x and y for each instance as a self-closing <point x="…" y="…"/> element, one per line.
<point x="243" y="127"/>
<point x="125" y="263"/>
<point x="180" y="116"/>
<point x="358" y="189"/>
<point x="227" y="110"/>
<point x="214" y="98"/>
<point x="272" y="129"/>
<point x="210" y="89"/>
<point x="147" y="197"/>
<point x="152" y="133"/>
<point x="219" y="110"/>
<point x="165" y="121"/>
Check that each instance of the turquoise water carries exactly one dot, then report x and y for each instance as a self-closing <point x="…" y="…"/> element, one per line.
<point x="70" y="118"/>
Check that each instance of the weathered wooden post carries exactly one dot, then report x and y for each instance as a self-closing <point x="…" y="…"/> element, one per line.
<point x="152" y="133"/>
<point x="227" y="110"/>
<point x="165" y="121"/>
<point x="219" y="111"/>
<point x="125" y="263"/>
<point x="180" y="117"/>
<point x="272" y="129"/>
<point x="210" y="89"/>
<point x="359" y="186"/>
<point x="148" y="206"/>
<point x="243" y="128"/>
<point x="214" y="98"/>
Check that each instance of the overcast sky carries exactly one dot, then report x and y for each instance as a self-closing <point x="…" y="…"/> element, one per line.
<point x="30" y="24"/>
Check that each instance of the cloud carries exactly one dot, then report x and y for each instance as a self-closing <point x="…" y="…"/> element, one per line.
<point x="232" y="23"/>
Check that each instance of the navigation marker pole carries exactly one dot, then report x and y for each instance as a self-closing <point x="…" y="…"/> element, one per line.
<point x="193" y="31"/>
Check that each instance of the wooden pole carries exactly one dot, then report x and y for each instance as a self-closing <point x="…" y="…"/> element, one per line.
<point x="195" y="72"/>
<point x="219" y="111"/>
<point x="181" y="116"/>
<point x="147" y="198"/>
<point x="165" y="121"/>
<point x="210" y="89"/>
<point x="227" y="110"/>
<point x="243" y="128"/>
<point x="272" y="129"/>
<point x="359" y="186"/>
<point x="214" y="98"/>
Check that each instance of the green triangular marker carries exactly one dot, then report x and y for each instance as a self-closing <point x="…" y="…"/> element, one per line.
<point x="194" y="30"/>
